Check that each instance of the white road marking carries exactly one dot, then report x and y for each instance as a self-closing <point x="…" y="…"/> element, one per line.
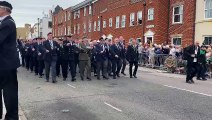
<point x="112" y="107"/>
<point x="188" y="91"/>
<point x="71" y="86"/>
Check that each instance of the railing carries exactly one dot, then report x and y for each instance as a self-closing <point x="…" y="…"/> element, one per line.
<point x="165" y="62"/>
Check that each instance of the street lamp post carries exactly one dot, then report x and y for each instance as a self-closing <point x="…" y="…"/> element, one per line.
<point x="38" y="27"/>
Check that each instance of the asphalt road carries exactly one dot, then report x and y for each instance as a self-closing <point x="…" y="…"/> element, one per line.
<point x="152" y="96"/>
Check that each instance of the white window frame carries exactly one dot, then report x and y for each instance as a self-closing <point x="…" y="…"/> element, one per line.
<point x="85" y="10"/>
<point x="75" y="28"/>
<point x="75" y="15"/>
<point x="65" y="31"/>
<point x="151" y="14"/>
<point x="111" y="22"/>
<point x="90" y="27"/>
<point x="207" y="18"/>
<point x="139" y="16"/>
<point x="205" y="37"/>
<point x="123" y="21"/>
<point x="90" y="10"/>
<point x="69" y="30"/>
<point x="69" y="15"/>
<point x="104" y="24"/>
<point x="180" y="14"/>
<point x="65" y="16"/>
<point x="84" y="28"/>
<point x="176" y="38"/>
<point x="78" y="13"/>
<point x="78" y="28"/>
<point x="94" y="26"/>
<point x="99" y="25"/>
<point x="117" y="21"/>
<point x="132" y="19"/>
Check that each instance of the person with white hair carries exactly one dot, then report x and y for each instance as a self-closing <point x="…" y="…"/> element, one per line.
<point x="172" y="50"/>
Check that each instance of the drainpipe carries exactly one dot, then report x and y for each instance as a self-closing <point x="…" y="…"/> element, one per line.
<point x="144" y="20"/>
<point x="168" y="28"/>
<point x="194" y="28"/>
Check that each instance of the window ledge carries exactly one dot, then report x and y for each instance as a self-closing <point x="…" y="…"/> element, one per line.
<point x="177" y="23"/>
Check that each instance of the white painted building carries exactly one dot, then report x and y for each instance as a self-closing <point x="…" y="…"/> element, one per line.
<point x="45" y="25"/>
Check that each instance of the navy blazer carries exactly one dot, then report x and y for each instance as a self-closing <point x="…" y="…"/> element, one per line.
<point x="100" y="56"/>
<point x="114" y="50"/>
<point x="52" y="54"/>
<point x="9" y="57"/>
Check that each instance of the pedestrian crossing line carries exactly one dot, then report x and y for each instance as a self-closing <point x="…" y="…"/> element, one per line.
<point x="188" y="90"/>
<point x="112" y="107"/>
<point x="71" y="86"/>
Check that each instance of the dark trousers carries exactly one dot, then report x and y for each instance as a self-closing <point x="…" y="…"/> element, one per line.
<point x="135" y="63"/>
<point x="40" y="67"/>
<point x="23" y="60"/>
<point x="191" y="70"/>
<point x="36" y="65"/>
<point x="9" y="88"/>
<point x="124" y="63"/>
<point x="65" y="68"/>
<point x="201" y="71"/>
<point x="94" y="67"/>
<point x="116" y="67"/>
<point x="58" y="67"/>
<point x="51" y="64"/>
<point x="31" y="63"/>
<point x="27" y="60"/>
<point x="109" y="67"/>
<point x="102" y="66"/>
<point x="72" y="65"/>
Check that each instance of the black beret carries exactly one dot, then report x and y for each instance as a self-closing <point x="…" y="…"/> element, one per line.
<point x="6" y="4"/>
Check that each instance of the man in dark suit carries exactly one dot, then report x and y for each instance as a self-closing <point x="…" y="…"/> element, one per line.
<point x="40" y="57"/>
<point x="9" y="62"/>
<point x="27" y="54"/>
<point x="101" y="59"/>
<point x="70" y="51"/>
<point x="192" y="52"/>
<point x="123" y="55"/>
<point x="34" y="54"/>
<point x="50" y="57"/>
<point x="132" y="57"/>
<point x="115" y="52"/>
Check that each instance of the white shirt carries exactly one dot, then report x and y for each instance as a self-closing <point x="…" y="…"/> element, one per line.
<point x="172" y="52"/>
<point x="2" y="18"/>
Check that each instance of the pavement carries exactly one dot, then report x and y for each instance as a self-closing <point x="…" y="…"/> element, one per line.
<point x="154" y="95"/>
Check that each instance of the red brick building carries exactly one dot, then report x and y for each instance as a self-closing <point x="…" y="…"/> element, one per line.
<point x="61" y="22"/>
<point x="159" y="21"/>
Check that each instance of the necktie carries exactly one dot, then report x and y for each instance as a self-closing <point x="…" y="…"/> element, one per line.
<point x="51" y="43"/>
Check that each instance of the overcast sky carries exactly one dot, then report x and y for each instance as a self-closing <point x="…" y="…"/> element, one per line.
<point x="27" y="11"/>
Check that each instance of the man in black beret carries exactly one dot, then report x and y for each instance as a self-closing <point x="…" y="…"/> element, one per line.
<point x="9" y="62"/>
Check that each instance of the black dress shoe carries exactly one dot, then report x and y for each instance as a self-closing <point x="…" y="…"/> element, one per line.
<point x="134" y="76"/>
<point x="54" y="81"/>
<point x="110" y="74"/>
<point x="73" y="79"/>
<point x="98" y="78"/>
<point x="189" y="82"/>
<point x="204" y="79"/>
<point x="106" y="78"/>
<point x="192" y="81"/>
<point x="131" y="76"/>
<point x="123" y="73"/>
<point x="118" y="75"/>
<point x="114" y="77"/>
<point x="199" y="79"/>
<point x="82" y="79"/>
<point x="89" y="79"/>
